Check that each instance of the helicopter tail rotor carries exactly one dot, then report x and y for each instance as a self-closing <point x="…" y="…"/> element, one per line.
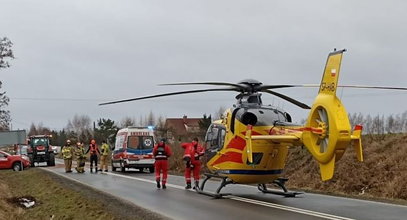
<point x="328" y="131"/>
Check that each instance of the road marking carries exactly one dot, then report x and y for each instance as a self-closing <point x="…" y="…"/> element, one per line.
<point x="289" y="208"/>
<point x="251" y="201"/>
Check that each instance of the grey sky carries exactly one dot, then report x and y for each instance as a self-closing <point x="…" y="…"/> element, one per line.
<point x="107" y="50"/>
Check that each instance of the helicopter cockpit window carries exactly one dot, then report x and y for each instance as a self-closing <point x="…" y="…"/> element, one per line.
<point x="215" y="137"/>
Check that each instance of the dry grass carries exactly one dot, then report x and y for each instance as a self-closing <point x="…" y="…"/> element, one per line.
<point x="381" y="175"/>
<point x="61" y="198"/>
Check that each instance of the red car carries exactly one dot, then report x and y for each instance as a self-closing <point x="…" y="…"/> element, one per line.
<point x="15" y="162"/>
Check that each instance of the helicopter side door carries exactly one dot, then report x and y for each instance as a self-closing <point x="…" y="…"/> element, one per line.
<point x="215" y="138"/>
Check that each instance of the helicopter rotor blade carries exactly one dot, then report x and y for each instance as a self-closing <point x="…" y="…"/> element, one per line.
<point x="265" y="87"/>
<point x="293" y="101"/>
<point x="168" y="94"/>
<point x="206" y="83"/>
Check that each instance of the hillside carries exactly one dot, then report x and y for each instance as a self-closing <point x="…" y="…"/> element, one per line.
<point x="381" y="175"/>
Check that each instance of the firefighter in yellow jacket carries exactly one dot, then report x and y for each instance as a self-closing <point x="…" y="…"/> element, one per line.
<point x="80" y="157"/>
<point x="67" y="154"/>
<point x="105" y="150"/>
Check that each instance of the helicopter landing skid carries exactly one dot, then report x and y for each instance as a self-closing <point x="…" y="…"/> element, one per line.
<point x="216" y="195"/>
<point x="280" y="183"/>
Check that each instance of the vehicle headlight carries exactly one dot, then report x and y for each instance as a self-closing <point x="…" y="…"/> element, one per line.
<point x="25" y="157"/>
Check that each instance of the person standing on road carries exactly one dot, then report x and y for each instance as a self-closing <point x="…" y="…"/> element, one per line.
<point x="104" y="156"/>
<point x="161" y="152"/>
<point x="94" y="151"/>
<point x="80" y="157"/>
<point x="192" y="153"/>
<point x="67" y="154"/>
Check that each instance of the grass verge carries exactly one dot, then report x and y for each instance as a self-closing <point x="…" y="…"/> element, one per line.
<point x="60" y="198"/>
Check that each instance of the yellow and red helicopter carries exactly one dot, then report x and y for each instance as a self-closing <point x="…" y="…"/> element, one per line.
<point x="250" y="144"/>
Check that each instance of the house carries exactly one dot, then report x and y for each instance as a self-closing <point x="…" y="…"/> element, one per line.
<point x="181" y="128"/>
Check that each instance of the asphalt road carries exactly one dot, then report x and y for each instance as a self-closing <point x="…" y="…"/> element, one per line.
<point x="245" y="203"/>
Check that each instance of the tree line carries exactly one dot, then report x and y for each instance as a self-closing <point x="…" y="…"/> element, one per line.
<point x="82" y="128"/>
<point x="380" y="125"/>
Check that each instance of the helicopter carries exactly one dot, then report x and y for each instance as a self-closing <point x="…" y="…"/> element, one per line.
<point x="249" y="145"/>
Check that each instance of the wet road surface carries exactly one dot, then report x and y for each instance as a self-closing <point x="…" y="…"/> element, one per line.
<point x="245" y="203"/>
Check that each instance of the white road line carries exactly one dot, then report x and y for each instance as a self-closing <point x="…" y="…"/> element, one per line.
<point x="291" y="209"/>
<point x="251" y="201"/>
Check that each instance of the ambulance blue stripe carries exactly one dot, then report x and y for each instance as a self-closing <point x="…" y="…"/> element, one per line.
<point x="251" y="172"/>
<point x="146" y="151"/>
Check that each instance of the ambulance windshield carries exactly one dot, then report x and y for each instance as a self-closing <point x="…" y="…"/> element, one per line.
<point x="140" y="142"/>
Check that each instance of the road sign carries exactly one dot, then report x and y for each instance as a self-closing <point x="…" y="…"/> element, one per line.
<point x="12" y="137"/>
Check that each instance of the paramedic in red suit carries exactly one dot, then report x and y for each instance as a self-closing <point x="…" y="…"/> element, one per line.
<point x="94" y="151"/>
<point x="161" y="152"/>
<point x="192" y="153"/>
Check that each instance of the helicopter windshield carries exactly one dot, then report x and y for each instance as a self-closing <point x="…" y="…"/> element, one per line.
<point x="215" y="137"/>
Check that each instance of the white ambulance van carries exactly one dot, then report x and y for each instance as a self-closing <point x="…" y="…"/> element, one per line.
<point x="134" y="149"/>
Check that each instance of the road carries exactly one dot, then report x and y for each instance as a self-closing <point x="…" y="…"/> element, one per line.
<point x="245" y="203"/>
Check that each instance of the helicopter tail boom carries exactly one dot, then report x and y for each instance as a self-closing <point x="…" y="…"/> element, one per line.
<point x="330" y="132"/>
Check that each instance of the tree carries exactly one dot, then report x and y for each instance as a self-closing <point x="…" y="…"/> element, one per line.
<point x="204" y="124"/>
<point x="38" y="129"/>
<point x="127" y="122"/>
<point x="4" y="114"/>
<point x="106" y="130"/>
<point x="150" y="119"/>
<point x="160" y="129"/>
<point x="5" y="53"/>
<point x="80" y="128"/>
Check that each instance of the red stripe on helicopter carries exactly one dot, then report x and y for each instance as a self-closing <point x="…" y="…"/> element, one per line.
<point x="229" y="157"/>
<point x="237" y="143"/>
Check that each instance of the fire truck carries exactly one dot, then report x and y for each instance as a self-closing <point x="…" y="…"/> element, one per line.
<point x="40" y="150"/>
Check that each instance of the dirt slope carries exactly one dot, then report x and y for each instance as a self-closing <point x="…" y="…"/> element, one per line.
<point x="382" y="174"/>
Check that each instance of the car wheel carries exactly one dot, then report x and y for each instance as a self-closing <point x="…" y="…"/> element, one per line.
<point x="51" y="161"/>
<point x="17" y="166"/>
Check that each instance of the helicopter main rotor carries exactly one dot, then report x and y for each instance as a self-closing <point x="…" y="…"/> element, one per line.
<point x="249" y="92"/>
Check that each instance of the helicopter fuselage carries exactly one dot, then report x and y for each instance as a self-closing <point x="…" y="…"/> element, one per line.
<point x="227" y="147"/>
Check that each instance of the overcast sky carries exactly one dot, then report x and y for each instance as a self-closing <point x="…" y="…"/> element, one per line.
<point x="72" y="55"/>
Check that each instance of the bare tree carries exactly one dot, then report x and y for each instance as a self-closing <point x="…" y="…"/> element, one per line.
<point x="150" y="119"/>
<point x="4" y="114"/>
<point x="5" y="53"/>
<point x="127" y="121"/>
<point x="39" y="129"/>
<point x="81" y="126"/>
<point x="390" y="125"/>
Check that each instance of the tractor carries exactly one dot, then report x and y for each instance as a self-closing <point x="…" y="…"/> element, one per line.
<point x="40" y="150"/>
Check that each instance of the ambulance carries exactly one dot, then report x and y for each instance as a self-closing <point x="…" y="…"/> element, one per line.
<point x="134" y="149"/>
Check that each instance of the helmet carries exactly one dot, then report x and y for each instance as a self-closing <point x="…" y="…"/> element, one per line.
<point x="162" y="140"/>
<point x="93" y="141"/>
<point x="68" y="141"/>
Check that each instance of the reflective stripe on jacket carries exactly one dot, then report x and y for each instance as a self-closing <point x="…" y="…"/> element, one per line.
<point x="67" y="152"/>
